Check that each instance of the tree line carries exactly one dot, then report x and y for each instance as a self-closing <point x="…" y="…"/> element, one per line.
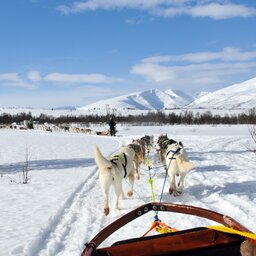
<point x="159" y="117"/>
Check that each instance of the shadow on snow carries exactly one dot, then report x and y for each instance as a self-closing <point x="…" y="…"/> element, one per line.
<point x="47" y="165"/>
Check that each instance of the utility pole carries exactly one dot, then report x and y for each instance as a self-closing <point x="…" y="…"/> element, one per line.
<point x="108" y="110"/>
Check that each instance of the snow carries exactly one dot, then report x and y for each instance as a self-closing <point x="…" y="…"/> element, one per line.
<point x="237" y="96"/>
<point x="61" y="207"/>
<point x="145" y="100"/>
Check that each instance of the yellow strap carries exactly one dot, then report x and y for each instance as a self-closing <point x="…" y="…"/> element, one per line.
<point x="150" y="181"/>
<point x="233" y="231"/>
<point x="162" y="228"/>
<point x="117" y="157"/>
<point x="165" y="141"/>
<point x="149" y="163"/>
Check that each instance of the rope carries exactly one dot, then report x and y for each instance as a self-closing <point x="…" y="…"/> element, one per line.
<point x="165" y="177"/>
<point x="149" y="163"/>
<point x="150" y="181"/>
<point x="160" y="227"/>
<point x="157" y="225"/>
<point x="146" y="170"/>
<point x="129" y="185"/>
<point x="166" y="172"/>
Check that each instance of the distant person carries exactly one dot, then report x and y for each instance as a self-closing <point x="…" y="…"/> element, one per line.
<point x="30" y="123"/>
<point x="112" y="126"/>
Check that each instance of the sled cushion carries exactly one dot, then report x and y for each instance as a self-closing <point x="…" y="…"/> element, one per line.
<point x="196" y="242"/>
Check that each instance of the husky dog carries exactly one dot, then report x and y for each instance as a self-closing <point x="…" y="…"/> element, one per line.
<point x="177" y="164"/>
<point x="113" y="170"/>
<point x="139" y="156"/>
<point x="162" y="144"/>
<point x="148" y="142"/>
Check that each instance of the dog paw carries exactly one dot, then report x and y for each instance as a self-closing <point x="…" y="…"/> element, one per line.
<point x="176" y="193"/>
<point x="106" y="211"/>
<point x="130" y="193"/>
<point x="171" y="191"/>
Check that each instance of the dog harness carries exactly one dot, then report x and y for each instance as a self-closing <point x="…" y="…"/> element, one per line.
<point x="164" y="144"/>
<point x="173" y="153"/>
<point x="115" y="158"/>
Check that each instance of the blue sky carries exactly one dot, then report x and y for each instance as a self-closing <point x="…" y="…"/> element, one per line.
<point x="71" y="53"/>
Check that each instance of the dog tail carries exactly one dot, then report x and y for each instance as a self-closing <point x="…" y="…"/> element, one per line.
<point x="185" y="166"/>
<point x="100" y="159"/>
<point x="188" y="166"/>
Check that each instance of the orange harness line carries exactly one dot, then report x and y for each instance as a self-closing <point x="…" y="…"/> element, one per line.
<point x="160" y="227"/>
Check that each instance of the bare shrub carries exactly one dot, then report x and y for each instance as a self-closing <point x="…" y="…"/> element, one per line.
<point x="25" y="177"/>
<point x="253" y="136"/>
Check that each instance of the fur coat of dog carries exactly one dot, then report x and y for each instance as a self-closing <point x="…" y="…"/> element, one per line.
<point x="177" y="164"/>
<point x="113" y="170"/>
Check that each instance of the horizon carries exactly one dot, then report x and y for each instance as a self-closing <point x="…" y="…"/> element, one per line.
<point x="74" y="53"/>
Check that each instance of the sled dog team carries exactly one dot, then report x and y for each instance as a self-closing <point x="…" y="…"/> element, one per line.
<point x="126" y="161"/>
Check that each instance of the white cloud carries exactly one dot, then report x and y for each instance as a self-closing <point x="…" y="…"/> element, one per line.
<point x="227" y="54"/>
<point x="215" y="9"/>
<point x="134" y="21"/>
<point x="12" y="77"/>
<point x="14" y="80"/>
<point x="91" y="5"/>
<point x="34" y="76"/>
<point x="154" y="72"/>
<point x="78" y="96"/>
<point x="19" y="84"/>
<point x="195" y="69"/>
<point x="81" y="78"/>
<point x="222" y="11"/>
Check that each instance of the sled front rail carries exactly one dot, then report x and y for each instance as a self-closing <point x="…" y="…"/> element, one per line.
<point x="171" y="243"/>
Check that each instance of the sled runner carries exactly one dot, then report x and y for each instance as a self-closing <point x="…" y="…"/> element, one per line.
<point x="211" y="241"/>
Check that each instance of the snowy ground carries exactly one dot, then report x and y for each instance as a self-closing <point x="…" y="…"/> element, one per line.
<point x="62" y="206"/>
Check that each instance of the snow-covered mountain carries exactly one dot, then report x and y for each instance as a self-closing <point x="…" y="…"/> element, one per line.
<point x="145" y="100"/>
<point x="200" y="94"/>
<point x="237" y="96"/>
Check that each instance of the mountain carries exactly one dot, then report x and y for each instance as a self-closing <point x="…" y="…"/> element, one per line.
<point x="237" y="96"/>
<point x="145" y="100"/>
<point x="65" y="108"/>
<point x="200" y="94"/>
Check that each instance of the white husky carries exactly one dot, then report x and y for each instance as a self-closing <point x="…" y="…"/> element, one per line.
<point x="113" y="170"/>
<point x="178" y="164"/>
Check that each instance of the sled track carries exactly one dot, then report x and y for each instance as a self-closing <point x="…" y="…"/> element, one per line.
<point x="53" y="239"/>
<point x="81" y="217"/>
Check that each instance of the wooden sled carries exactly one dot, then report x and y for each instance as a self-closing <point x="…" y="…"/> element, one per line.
<point x="196" y="241"/>
<point x="105" y="133"/>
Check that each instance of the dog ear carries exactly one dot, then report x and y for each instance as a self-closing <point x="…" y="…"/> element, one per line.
<point x="180" y="143"/>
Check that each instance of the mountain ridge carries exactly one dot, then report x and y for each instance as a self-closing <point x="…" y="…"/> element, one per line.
<point x="145" y="100"/>
<point x="236" y="96"/>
